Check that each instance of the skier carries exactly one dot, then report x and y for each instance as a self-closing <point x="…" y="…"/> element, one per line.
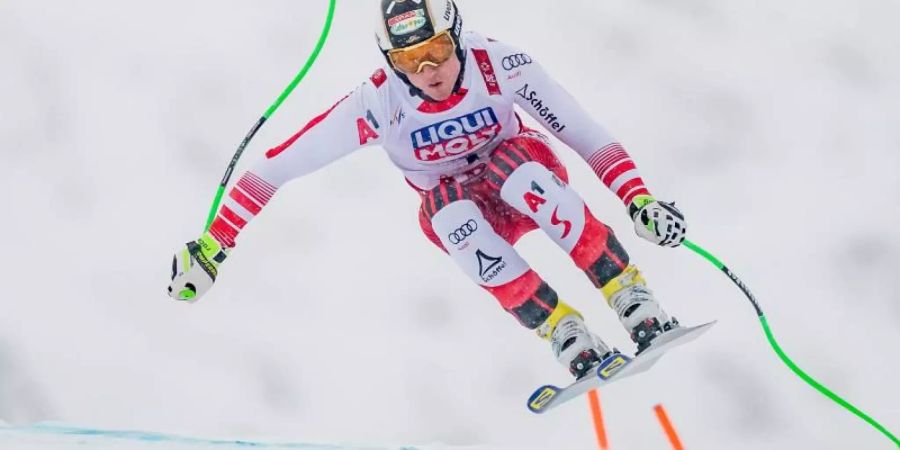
<point x="443" y="109"/>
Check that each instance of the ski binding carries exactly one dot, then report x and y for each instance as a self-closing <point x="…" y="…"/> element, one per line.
<point x="615" y="367"/>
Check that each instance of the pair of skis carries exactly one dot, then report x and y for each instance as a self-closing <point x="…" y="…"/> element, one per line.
<point x="614" y="368"/>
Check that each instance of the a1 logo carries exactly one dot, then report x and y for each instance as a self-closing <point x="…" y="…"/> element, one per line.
<point x="532" y="199"/>
<point x="534" y="202"/>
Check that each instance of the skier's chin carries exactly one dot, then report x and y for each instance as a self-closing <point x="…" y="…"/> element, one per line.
<point x="439" y="91"/>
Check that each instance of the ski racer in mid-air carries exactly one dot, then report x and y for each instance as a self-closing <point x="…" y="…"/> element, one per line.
<point x="443" y="110"/>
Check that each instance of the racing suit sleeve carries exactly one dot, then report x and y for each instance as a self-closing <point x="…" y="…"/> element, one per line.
<point x="355" y="121"/>
<point x="548" y="103"/>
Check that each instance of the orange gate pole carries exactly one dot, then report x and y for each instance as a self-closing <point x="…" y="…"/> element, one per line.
<point x="597" y="414"/>
<point x="667" y="427"/>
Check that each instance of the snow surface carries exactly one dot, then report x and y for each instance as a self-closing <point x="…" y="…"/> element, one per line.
<point x="62" y="437"/>
<point x="773" y="124"/>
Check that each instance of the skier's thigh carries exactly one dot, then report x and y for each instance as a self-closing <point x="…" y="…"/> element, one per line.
<point x="535" y="191"/>
<point x="475" y="246"/>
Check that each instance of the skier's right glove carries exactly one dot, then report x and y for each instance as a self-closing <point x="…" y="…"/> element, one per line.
<point x="658" y="222"/>
<point x="195" y="267"/>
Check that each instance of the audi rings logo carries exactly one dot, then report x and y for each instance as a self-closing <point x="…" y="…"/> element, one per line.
<point x="512" y="61"/>
<point x="463" y="232"/>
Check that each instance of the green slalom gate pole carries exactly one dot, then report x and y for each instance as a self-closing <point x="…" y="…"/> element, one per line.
<point x="262" y="120"/>
<point x="784" y="358"/>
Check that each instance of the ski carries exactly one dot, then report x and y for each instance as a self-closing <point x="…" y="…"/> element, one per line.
<point x="614" y="368"/>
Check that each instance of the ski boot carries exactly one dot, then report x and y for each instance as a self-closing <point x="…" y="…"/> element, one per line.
<point x="574" y="346"/>
<point x="638" y="310"/>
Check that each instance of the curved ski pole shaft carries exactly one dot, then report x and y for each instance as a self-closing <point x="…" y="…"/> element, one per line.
<point x="781" y="354"/>
<point x="262" y="120"/>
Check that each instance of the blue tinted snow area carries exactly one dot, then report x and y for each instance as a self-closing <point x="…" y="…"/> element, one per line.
<point x="63" y="437"/>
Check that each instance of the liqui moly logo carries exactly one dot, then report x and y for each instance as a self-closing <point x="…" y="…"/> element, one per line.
<point x="455" y="136"/>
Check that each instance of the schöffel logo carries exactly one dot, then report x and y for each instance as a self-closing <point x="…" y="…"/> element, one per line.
<point x="518" y="60"/>
<point x="454" y="137"/>
<point x="532" y="97"/>
<point x="489" y="266"/>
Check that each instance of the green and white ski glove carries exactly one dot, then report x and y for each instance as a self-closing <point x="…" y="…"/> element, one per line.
<point x="195" y="267"/>
<point x="658" y="222"/>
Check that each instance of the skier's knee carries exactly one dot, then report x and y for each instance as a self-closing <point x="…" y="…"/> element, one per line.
<point x="475" y="246"/>
<point x="458" y="222"/>
<point x="535" y="191"/>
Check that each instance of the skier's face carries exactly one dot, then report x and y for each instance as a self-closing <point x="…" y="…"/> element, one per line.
<point x="437" y="82"/>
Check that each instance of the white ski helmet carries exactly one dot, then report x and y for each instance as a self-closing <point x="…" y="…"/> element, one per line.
<point x="405" y="23"/>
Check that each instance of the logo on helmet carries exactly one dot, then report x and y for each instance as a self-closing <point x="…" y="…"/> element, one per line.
<point x="448" y="13"/>
<point x="407" y="22"/>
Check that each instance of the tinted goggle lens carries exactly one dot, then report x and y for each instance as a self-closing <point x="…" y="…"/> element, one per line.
<point x="433" y="52"/>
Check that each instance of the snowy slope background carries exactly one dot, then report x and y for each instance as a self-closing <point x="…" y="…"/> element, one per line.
<point x="773" y="124"/>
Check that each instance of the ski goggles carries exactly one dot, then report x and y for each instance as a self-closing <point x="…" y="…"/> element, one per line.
<point x="431" y="52"/>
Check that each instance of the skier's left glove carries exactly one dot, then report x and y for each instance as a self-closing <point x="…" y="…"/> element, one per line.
<point x="658" y="222"/>
<point x="195" y="267"/>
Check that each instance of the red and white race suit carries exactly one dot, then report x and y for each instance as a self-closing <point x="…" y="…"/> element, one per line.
<point x="484" y="178"/>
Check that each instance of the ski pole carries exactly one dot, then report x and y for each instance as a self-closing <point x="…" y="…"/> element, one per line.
<point x="262" y="120"/>
<point x="784" y="358"/>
